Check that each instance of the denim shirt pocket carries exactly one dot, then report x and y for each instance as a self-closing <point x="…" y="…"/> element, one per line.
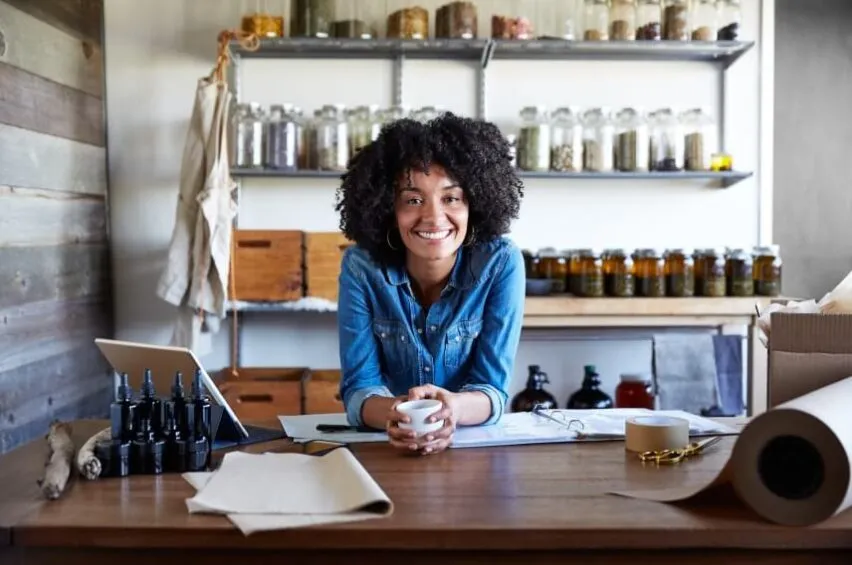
<point x="396" y="346"/>
<point x="461" y="338"/>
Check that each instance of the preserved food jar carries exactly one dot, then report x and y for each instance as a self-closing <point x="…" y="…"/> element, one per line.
<point x="308" y="141"/>
<point x="704" y="20"/>
<point x="590" y="274"/>
<point x="666" y="146"/>
<point x="534" y="140"/>
<point x="648" y="15"/>
<point x="597" y="140"/>
<point x="409" y="23"/>
<point x="634" y="391"/>
<point x="566" y="148"/>
<point x="456" y="20"/>
<point x="263" y="25"/>
<point x="595" y="20"/>
<point x="535" y="269"/>
<point x="517" y="25"/>
<point x="676" y="20"/>
<point x="712" y="273"/>
<point x="730" y="17"/>
<point x="554" y="266"/>
<point x="650" y="273"/>
<point x="618" y="273"/>
<point x="574" y="270"/>
<point x="311" y="18"/>
<point x="354" y="21"/>
<point x="739" y="273"/>
<point x="699" y="139"/>
<point x="332" y="138"/>
<point x="249" y="125"/>
<point x="364" y="124"/>
<point x="679" y="267"/>
<point x="622" y="20"/>
<point x="632" y="140"/>
<point x="767" y="270"/>
<point x="282" y="138"/>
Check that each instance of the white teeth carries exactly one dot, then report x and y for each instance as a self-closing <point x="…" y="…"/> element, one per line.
<point x="434" y="234"/>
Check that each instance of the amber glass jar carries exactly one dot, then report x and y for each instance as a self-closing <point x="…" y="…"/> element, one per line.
<point x="574" y="271"/>
<point x="710" y="267"/>
<point x="590" y="276"/>
<point x="680" y="273"/>
<point x="767" y="270"/>
<point x="650" y="273"/>
<point x="634" y="391"/>
<point x="554" y="267"/>
<point x="618" y="273"/>
<point x="739" y="273"/>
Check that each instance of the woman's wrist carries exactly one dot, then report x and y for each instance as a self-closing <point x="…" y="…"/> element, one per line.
<point x="471" y="407"/>
<point x="374" y="411"/>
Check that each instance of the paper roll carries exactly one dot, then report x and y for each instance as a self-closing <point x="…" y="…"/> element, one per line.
<point x="655" y="433"/>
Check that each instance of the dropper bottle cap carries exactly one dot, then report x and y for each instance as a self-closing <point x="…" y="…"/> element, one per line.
<point x="124" y="392"/>
<point x="147" y="384"/>
<point x="177" y="386"/>
<point x="197" y="387"/>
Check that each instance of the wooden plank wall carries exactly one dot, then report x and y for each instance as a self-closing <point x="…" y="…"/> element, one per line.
<point x="54" y="254"/>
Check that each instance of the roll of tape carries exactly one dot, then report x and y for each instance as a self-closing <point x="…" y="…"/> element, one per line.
<point x="655" y="433"/>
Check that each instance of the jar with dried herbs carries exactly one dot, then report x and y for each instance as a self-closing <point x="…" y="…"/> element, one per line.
<point x="282" y="138"/>
<point x="566" y="144"/>
<point x="394" y="113"/>
<point x="730" y="18"/>
<point x="712" y="281"/>
<point x="511" y="27"/>
<point x="699" y="139"/>
<point x="622" y="20"/>
<point x="679" y="267"/>
<point x="263" y="25"/>
<point x="598" y="133"/>
<point x="704" y="20"/>
<point x="739" y="273"/>
<point x="363" y="127"/>
<point x="632" y="140"/>
<point x="767" y="270"/>
<point x="590" y="281"/>
<point x="554" y="266"/>
<point x="409" y="23"/>
<point x="676" y="20"/>
<point x="650" y="273"/>
<point x="456" y="20"/>
<point x="249" y="125"/>
<point x="595" y="20"/>
<point x="308" y="141"/>
<point x="425" y="114"/>
<point x="574" y="270"/>
<point x="332" y="138"/>
<point x="648" y="16"/>
<point x="354" y="21"/>
<point x="666" y="146"/>
<point x="534" y="139"/>
<point x="311" y="18"/>
<point x="618" y="273"/>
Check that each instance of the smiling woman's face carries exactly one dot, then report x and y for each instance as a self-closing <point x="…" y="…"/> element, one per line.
<point x="431" y="214"/>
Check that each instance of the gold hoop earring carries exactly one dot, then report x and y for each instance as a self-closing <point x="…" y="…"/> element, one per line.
<point x="472" y="239"/>
<point x="387" y="237"/>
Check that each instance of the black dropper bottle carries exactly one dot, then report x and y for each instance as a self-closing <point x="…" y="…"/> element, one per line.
<point x="590" y="396"/>
<point x="147" y="449"/>
<point x="149" y="406"/>
<point x="122" y="412"/>
<point x="534" y="395"/>
<point x="198" y="419"/>
<point x="178" y="405"/>
<point x="176" y="453"/>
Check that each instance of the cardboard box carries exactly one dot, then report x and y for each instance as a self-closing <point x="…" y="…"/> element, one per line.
<point x="807" y="352"/>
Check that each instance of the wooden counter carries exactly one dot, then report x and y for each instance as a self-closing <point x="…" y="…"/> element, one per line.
<point x="520" y="504"/>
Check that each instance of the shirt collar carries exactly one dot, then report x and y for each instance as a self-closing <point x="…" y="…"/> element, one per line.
<point x="465" y="271"/>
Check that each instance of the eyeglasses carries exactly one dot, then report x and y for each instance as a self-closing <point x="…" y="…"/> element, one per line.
<point x="560" y="418"/>
<point x="674" y="456"/>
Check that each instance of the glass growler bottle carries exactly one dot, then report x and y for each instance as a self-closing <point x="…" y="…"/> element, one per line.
<point x="534" y="395"/>
<point x="590" y="395"/>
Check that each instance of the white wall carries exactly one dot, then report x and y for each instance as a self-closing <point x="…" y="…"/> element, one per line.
<point x="156" y="51"/>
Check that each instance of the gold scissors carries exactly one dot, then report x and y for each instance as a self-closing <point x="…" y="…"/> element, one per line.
<point x="673" y="456"/>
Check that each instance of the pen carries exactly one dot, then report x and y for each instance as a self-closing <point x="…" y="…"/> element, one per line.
<point x="332" y="428"/>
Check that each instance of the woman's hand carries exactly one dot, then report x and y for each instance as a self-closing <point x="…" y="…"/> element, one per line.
<point x="435" y="442"/>
<point x="403" y="439"/>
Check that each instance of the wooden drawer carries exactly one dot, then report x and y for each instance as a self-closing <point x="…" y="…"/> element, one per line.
<point x="323" y="253"/>
<point x="268" y="265"/>
<point x="263" y="394"/>
<point x="322" y="389"/>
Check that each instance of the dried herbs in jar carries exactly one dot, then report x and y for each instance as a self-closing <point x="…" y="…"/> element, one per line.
<point x="739" y="273"/>
<point x="679" y="268"/>
<point x="311" y="18"/>
<point x="650" y="273"/>
<point x="456" y="20"/>
<point x="618" y="273"/>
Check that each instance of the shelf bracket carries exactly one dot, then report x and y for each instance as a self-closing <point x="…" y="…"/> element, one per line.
<point x="487" y="53"/>
<point x="398" y="65"/>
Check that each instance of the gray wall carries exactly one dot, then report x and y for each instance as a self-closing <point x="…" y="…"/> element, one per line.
<point x="813" y="143"/>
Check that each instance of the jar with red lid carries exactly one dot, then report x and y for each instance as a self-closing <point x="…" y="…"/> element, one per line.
<point x="634" y="391"/>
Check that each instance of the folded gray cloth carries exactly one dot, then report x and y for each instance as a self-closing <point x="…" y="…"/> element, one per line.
<point x="685" y="372"/>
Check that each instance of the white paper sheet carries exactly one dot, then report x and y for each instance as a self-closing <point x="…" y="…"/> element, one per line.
<point x="304" y="428"/>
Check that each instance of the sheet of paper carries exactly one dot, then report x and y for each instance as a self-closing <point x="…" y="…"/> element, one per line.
<point x="304" y="428"/>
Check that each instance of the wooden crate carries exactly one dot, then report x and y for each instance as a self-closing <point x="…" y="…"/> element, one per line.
<point x="321" y="392"/>
<point x="261" y="394"/>
<point x="268" y="265"/>
<point x="323" y="253"/>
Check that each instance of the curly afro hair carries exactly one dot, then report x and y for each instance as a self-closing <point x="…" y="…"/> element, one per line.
<point x="473" y="152"/>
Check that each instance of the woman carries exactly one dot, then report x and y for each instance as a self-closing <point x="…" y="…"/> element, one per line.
<point x="431" y="295"/>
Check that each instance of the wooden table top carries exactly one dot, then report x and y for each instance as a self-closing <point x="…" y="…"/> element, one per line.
<point x="548" y="497"/>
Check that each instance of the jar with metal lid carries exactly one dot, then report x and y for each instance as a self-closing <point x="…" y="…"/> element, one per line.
<point x="710" y="273"/>
<point x="699" y="139"/>
<point x="634" y="391"/>
<point x="680" y="272"/>
<point x="263" y="25"/>
<point x="566" y="146"/>
<point x="456" y="20"/>
<point x="622" y="20"/>
<point x="767" y="270"/>
<point x="311" y="18"/>
<point x="618" y="273"/>
<point x="363" y="127"/>
<point x="425" y="114"/>
<point x="598" y="133"/>
<point x="666" y="145"/>
<point x="354" y="21"/>
<point x="595" y="20"/>
<point x="590" y="274"/>
<point x="332" y="138"/>
<point x="534" y="139"/>
<point x="282" y="138"/>
<point x="249" y="126"/>
<point x="535" y="270"/>
<point x="676" y="20"/>
<point x="574" y="270"/>
<point x="518" y="24"/>
<point x="308" y="141"/>
<point x="730" y="19"/>
<point x="739" y="273"/>
<point x="648" y="16"/>
<point x="554" y="266"/>
<point x="704" y="20"/>
<point x="408" y="23"/>
<point x="632" y="140"/>
<point x="650" y="273"/>
<point x="394" y="113"/>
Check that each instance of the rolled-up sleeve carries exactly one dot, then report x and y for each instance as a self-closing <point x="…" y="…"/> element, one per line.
<point x="361" y="375"/>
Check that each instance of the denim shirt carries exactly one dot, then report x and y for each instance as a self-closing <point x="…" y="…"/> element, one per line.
<point x="466" y="341"/>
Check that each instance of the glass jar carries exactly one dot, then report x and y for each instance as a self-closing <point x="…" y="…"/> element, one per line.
<point x="648" y="15"/>
<point x="650" y="273"/>
<point x="354" y="21"/>
<point x="739" y="273"/>
<point x="598" y="142"/>
<point x="456" y="20"/>
<point x="704" y="20"/>
<point x="590" y="274"/>
<point x="332" y="138"/>
<point x="666" y="145"/>
<point x="767" y="270"/>
<point x="699" y="139"/>
<point x="393" y="114"/>
<point x="554" y="266"/>
<point x="676" y="20"/>
<point x="282" y="138"/>
<point x="249" y="125"/>
<point x="632" y="140"/>
<point x="590" y="396"/>
<point x="534" y="140"/>
<point x="512" y="27"/>
<point x="425" y="114"/>
<point x="263" y="25"/>
<point x="710" y="273"/>
<point x="535" y="268"/>
<point x="679" y="267"/>
<point x="534" y="395"/>
<point x="595" y="20"/>
<point x="634" y="391"/>
<point x="730" y="18"/>
<point x="618" y="273"/>
<point x="308" y="141"/>
<point x="622" y="20"/>
<point x="566" y="145"/>
<point x="311" y="18"/>
<point x="364" y="124"/>
<point x="408" y="23"/>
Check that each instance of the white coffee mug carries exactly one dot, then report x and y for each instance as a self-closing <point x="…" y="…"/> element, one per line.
<point x="419" y="411"/>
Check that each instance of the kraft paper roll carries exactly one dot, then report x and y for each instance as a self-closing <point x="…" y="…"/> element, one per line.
<point x="792" y="464"/>
<point x="655" y="433"/>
